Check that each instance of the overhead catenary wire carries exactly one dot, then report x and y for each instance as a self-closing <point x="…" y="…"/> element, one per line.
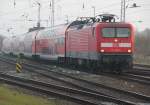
<point x="27" y="8"/>
<point x="111" y="7"/>
<point x="46" y="3"/>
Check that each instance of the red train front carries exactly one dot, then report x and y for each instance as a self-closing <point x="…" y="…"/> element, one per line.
<point x="116" y="41"/>
<point x="101" y="45"/>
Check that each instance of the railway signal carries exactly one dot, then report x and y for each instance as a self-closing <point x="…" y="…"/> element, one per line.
<point x="18" y="64"/>
<point x="18" y="68"/>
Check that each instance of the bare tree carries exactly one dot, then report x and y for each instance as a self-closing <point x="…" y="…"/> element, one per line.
<point x="142" y="42"/>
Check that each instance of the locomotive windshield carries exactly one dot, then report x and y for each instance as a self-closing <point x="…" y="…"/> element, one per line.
<point x="115" y="32"/>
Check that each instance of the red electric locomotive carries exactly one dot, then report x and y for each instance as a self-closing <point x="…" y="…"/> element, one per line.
<point x="95" y="42"/>
<point x="100" y="43"/>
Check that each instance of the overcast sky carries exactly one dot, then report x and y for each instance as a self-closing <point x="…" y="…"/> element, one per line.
<point x="15" y="18"/>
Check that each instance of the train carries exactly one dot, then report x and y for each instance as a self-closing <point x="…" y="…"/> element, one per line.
<point x="99" y="43"/>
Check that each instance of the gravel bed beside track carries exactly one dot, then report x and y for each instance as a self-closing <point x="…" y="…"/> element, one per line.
<point x="120" y="84"/>
<point x="109" y="81"/>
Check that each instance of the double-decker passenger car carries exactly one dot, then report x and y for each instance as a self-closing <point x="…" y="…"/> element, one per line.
<point x="91" y="42"/>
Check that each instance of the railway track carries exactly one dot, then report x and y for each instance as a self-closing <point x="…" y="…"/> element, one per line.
<point x="75" y="95"/>
<point x="58" y="91"/>
<point x="141" y="69"/>
<point x="137" y="78"/>
<point x="140" y="73"/>
<point x="141" y="65"/>
<point x="145" y="80"/>
<point x="87" y="85"/>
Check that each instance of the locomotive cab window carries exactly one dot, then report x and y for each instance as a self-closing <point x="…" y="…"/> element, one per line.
<point x="115" y="32"/>
<point x="123" y="32"/>
<point x="108" y="32"/>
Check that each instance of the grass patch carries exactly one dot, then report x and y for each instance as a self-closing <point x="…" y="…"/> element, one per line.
<point x="12" y="97"/>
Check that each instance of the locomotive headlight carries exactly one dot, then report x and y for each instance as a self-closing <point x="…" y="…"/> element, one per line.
<point x="129" y="51"/>
<point x="102" y="50"/>
<point x="116" y="40"/>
